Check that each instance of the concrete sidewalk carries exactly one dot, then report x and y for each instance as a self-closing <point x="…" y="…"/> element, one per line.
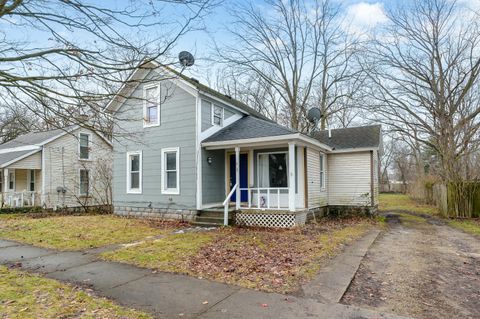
<point x="169" y="295"/>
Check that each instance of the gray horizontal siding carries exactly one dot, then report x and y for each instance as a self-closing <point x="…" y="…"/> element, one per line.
<point x="213" y="177"/>
<point x="177" y="129"/>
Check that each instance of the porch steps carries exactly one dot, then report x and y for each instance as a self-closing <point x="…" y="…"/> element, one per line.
<point x="213" y="217"/>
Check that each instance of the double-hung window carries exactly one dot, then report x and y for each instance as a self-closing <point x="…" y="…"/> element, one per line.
<point x="84" y="146"/>
<point x="322" y="171"/>
<point x="84" y="182"/>
<point x="31" y="180"/>
<point x="170" y="171"/>
<point x="11" y="180"/>
<point x="151" y="105"/>
<point x="217" y="115"/>
<point x="134" y="172"/>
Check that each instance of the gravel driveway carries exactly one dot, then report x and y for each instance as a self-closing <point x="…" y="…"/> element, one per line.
<point x="421" y="268"/>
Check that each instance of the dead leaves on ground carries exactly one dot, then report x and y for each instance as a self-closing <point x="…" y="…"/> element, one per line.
<point x="268" y="259"/>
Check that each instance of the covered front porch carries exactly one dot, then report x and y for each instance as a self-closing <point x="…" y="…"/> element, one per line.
<point x="20" y="187"/>
<point x="260" y="176"/>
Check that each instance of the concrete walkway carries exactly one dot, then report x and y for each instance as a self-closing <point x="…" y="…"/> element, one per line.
<point x="168" y="295"/>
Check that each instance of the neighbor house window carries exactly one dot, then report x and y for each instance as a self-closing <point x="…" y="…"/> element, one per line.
<point x="84" y="182"/>
<point x="272" y="170"/>
<point x="31" y="180"/>
<point x="151" y="106"/>
<point x="217" y="115"/>
<point x="11" y="180"/>
<point x="84" y="141"/>
<point x="170" y="171"/>
<point x="322" y="171"/>
<point x="134" y="172"/>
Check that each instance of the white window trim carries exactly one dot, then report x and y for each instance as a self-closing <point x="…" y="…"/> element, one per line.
<point x="170" y="191"/>
<point x="212" y="108"/>
<point x="29" y="180"/>
<point x="145" y="88"/>
<point x="14" y="180"/>
<point x="140" y="177"/>
<point x="258" y="168"/>
<point x="80" y="182"/>
<point x="323" y="187"/>
<point x="89" y="148"/>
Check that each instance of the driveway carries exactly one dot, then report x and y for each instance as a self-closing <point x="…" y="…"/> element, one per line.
<point x="420" y="268"/>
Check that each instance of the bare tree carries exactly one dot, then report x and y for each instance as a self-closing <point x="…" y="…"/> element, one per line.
<point x="63" y="60"/>
<point x="424" y="73"/>
<point x="297" y="51"/>
<point x="14" y="122"/>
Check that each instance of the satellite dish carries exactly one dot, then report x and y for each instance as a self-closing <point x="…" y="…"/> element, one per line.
<point x="314" y="114"/>
<point x="186" y="58"/>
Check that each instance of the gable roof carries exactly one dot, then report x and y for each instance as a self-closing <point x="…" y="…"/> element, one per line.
<point x="142" y="70"/>
<point x="352" y="137"/>
<point x="11" y="157"/>
<point x="223" y="97"/>
<point x="33" y="138"/>
<point x="30" y="143"/>
<point x="249" y="127"/>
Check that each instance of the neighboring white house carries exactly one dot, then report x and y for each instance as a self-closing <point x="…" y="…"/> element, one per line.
<point x="57" y="168"/>
<point x="193" y="153"/>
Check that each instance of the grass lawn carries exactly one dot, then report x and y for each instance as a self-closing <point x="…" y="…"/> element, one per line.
<point x="471" y="226"/>
<point x="392" y="202"/>
<point x="78" y="232"/>
<point x="24" y="295"/>
<point x="264" y="259"/>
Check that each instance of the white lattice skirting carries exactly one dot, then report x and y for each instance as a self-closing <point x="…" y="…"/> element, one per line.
<point x="273" y="220"/>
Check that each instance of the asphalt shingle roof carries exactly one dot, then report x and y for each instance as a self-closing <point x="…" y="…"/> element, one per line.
<point x="351" y="137"/>
<point x="7" y="157"/>
<point x="249" y="127"/>
<point x="31" y="138"/>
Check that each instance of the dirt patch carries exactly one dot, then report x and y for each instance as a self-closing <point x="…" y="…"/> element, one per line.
<point x="420" y="268"/>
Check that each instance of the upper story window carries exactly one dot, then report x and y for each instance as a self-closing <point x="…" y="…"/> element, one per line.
<point x="170" y="171"/>
<point x="134" y="172"/>
<point x="217" y="115"/>
<point x="84" y="146"/>
<point x="322" y="171"/>
<point x="151" y="105"/>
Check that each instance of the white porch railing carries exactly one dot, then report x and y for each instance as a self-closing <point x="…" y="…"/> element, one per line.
<point x="266" y="198"/>
<point x="20" y="199"/>
<point x="226" y="204"/>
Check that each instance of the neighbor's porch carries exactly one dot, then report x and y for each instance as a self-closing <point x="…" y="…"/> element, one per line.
<point x="20" y="187"/>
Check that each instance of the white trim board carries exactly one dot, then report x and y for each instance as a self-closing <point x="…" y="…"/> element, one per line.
<point x="268" y="139"/>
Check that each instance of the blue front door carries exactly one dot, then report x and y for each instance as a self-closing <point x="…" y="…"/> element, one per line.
<point x="243" y="176"/>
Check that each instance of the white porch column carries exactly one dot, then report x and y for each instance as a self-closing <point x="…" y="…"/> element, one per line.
<point x="237" y="177"/>
<point x="291" y="176"/>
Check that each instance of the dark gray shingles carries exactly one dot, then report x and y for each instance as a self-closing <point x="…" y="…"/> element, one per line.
<point x="7" y="157"/>
<point x="249" y="127"/>
<point x="351" y="137"/>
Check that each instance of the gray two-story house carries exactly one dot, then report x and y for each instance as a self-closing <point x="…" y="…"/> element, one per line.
<point x="182" y="150"/>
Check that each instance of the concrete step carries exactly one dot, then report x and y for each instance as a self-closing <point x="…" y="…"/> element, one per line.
<point x="213" y="219"/>
<point x="212" y="213"/>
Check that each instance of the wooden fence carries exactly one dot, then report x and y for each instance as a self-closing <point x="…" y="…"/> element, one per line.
<point x="457" y="200"/>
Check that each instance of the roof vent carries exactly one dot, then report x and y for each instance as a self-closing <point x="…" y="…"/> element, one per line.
<point x="195" y="80"/>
